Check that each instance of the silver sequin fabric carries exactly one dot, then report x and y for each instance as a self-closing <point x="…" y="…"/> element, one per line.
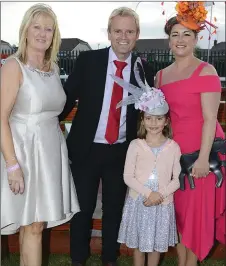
<point x="148" y="228"/>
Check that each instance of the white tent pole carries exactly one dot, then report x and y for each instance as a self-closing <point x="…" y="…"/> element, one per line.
<point x="211" y="14"/>
<point x="137" y="6"/>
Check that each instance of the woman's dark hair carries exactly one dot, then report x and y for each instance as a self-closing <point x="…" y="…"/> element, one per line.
<point x="172" y="22"/>
<point x="141" y="133"/>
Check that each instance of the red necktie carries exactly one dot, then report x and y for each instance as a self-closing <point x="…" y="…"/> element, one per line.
<point x="112" y="130"/>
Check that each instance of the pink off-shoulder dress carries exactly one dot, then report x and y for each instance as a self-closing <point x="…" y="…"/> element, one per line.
<point x="200" y="213"/>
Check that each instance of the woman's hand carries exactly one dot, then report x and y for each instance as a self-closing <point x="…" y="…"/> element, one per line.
<point x="15" y="179"/>
<point x="155" y="198"/>
<point x="200" y="168"/>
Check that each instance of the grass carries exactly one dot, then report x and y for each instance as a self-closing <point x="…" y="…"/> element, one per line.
<point x="64" y="260"/>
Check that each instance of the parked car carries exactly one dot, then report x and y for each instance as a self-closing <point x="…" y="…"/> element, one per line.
<point x="63" y="75"/>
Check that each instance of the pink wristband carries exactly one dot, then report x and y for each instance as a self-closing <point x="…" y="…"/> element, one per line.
<point x="13" y="168"/>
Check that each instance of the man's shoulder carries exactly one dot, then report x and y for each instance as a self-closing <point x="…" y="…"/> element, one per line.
<point x="94" y="53"/>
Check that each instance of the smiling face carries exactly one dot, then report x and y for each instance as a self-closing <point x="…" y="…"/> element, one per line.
<point x="182" y="41"/>
<point x="154" y="124"/>
<point x="40" y="33"/>
<point x="123" y="34"/>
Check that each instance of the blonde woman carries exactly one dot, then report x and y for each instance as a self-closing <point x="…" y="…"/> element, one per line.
<point x="37" y="187"/>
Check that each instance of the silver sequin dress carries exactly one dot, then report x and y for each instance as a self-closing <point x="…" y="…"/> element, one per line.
<point x="148" y="228"/>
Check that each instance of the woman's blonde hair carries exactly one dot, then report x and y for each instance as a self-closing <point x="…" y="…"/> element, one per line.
<point x="124" y="12"/>
<point x="142" y="132"/>
<point x="31" y="13"/>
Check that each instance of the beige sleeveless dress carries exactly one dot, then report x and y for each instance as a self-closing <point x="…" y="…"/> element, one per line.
<point x="50" y="195"/>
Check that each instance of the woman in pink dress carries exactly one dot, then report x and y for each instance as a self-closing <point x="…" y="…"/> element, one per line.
<point x="193" y="90"/>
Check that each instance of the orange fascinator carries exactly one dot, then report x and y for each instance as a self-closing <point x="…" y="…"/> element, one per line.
<point x="192" y="15"/>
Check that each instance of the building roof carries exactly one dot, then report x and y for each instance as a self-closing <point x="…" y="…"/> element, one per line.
<point x="219" y="46"/>
<point x="68" y="44"/>
<point x="143" y="45"/>
<point x="4" y="42"/>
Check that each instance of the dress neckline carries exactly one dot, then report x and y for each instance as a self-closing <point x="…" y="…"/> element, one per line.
<point x="40" y="72"/>
<point x="194" y="74"/>
<point x="180" y="80"/>
<point x="176" y="81"/>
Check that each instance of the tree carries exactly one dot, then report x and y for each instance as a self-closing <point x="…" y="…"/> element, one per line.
<point x="14" y="48"/>
<point x="197" y="51"/>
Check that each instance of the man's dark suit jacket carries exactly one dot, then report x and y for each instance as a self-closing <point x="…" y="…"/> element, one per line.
<point x="87" y="84"/>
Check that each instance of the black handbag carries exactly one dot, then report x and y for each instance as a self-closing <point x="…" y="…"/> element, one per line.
<point x="187" y="161"/>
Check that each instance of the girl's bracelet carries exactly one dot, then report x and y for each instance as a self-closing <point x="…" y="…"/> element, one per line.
<point x="12" y="168"/>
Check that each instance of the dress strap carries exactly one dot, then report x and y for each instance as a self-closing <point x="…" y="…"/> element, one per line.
<point x="199" y="69"/>
<point x="160" y="78"/>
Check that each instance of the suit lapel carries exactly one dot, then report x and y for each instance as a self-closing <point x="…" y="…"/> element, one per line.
<point x="132" y="77"/>
<point x="100" y="73"/>
<point x="130" y="107"/>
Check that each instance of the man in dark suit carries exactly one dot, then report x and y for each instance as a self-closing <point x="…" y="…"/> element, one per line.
<point x="100" y="133"/>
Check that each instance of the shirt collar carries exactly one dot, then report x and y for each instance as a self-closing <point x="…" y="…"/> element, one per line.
<point x="112" y="57"/>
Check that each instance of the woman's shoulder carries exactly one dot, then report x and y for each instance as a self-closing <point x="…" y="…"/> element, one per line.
<point x="158" y="77"/>
<point x="11" y="61"/>
<point x="11" y="65"/>
<point x="163" y="70"/>
<point x="208" y="70"/>
<point x="206" y="79"/>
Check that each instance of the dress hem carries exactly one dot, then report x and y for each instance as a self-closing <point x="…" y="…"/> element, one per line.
<point x="148" y="251"/>
<point x="188" y="246"/>
<point x="49" y="224"/>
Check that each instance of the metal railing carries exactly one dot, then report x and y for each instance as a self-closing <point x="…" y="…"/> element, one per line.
<point x="158" y="59"/>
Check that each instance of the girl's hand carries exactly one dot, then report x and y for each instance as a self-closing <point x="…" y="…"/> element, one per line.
<point x="155" y="198"/>
<point x="15" y="179"/>
<point x="200" y="168"/>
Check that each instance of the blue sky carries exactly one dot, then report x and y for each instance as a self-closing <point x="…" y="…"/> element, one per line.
<point x="88" y="20"/>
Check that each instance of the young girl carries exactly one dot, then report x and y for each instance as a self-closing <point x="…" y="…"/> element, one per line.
<point x="151" y="172"/>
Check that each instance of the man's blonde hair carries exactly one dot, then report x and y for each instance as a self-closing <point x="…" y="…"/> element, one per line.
<point x="124" y="12"/>
<point x="31" y="13"/>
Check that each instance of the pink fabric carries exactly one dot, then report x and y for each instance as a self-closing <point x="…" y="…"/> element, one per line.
<point x="140" y="162"/>
<point x="200" y="213"/>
